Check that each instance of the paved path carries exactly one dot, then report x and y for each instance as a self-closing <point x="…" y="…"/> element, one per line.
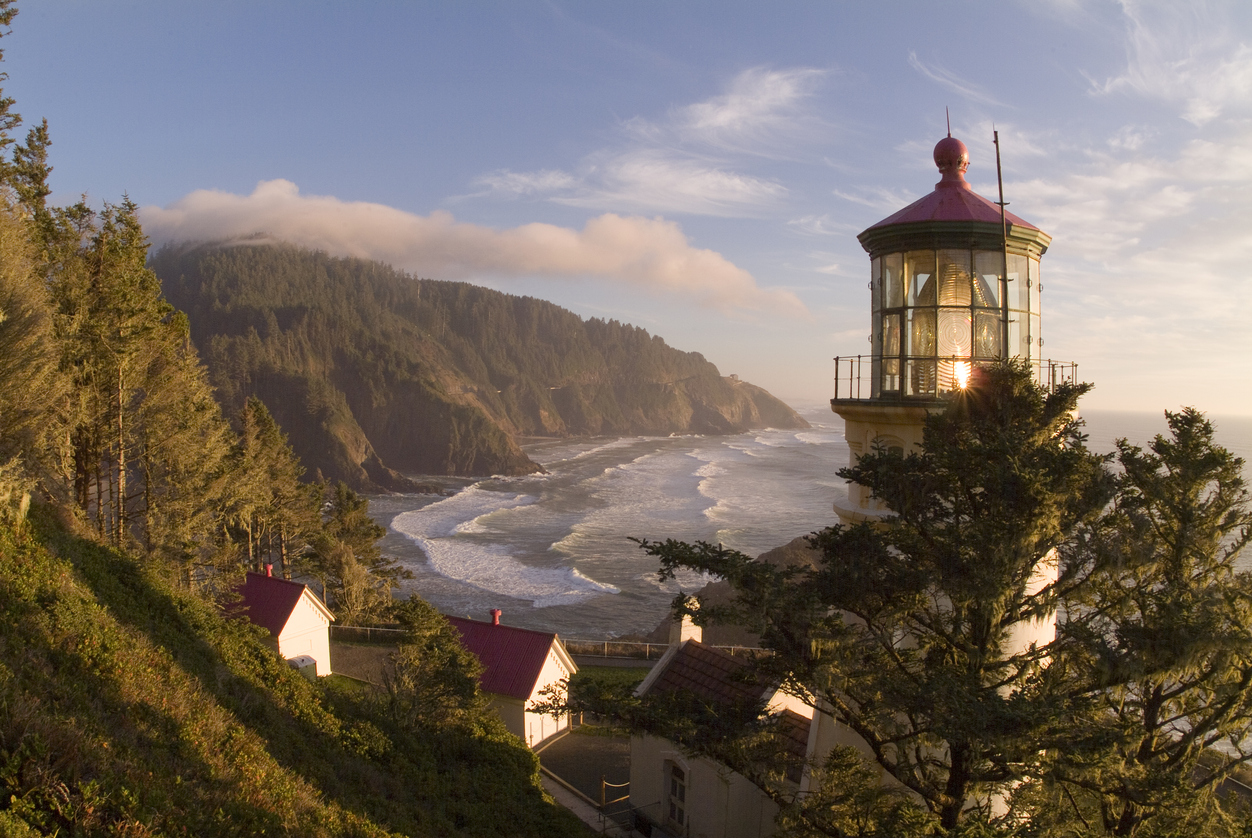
<point x="581" y="759"/>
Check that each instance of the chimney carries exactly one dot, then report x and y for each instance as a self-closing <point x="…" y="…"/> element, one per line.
<point x="495" y="616"/>
<point x="683" y="628"/>
<point x="269" y="570"/>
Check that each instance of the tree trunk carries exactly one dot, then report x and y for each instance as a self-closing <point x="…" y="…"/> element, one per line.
<point x="120" y="522"/>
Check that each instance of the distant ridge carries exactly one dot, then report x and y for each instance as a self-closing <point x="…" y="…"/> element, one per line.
<point x="373" y="373"/>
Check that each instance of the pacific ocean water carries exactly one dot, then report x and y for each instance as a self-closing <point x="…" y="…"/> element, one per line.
<point x="553" y="551"/>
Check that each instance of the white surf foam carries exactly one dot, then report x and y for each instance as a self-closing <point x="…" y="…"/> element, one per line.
<point x="448" y="534"/>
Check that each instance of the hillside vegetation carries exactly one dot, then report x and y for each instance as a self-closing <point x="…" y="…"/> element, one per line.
<point x="372" y="372"/>
<point x="131" y="708"/>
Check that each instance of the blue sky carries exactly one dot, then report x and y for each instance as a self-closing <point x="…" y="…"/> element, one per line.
<point x="697" y="169"/>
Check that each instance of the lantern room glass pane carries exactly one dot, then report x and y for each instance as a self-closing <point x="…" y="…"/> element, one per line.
<point x="890" y="369"/>
<point x="920" y="268"/>
<point x="921" y="377"/>
<point x="893" y="280"/>
<point x="1019" y="283"/>
<point x="954" y="278"/>
<point x="954" y="333"/>
<point x="1035" y="288"/>
<point x="1019" y="328"/>
<point x="987" y="267"/>
<point x="875" y="283"/>
<point x="921" y="332"/>
<point x="986" y="335"/>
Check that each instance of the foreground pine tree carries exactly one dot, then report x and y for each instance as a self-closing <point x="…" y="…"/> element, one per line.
<point x="1159" y="645"/>
<point x="910" y="632"/>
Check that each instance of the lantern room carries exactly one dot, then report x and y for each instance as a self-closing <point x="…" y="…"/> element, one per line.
<point x="951" y="284"/>
<point x="954" y="282"/>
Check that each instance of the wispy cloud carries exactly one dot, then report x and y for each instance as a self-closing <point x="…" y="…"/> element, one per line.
<point x="651" y="254"/>
<point x="759" y="111"/>
<point x="822" y="225"/>
<point x="1183" y="53"/>
<point x="527" y="183"/>
<point x="1149" y="257"/>
<point x="693" y="159"/>
<point x="652" y="180"/>
<point x="950" y="80"/>
<point x="877" y="198"/>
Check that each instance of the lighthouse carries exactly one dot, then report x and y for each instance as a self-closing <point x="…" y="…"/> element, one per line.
<point x="954" y="283"/>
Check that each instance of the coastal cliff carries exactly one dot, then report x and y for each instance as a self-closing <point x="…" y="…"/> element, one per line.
<point x="373" y="373"/>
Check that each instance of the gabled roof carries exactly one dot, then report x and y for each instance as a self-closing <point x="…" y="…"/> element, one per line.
<point x="512" y="657"/>
<point x="714" y="675"/>
<point x="795" y="731"/>
<point x="268" y="601"/>
<point x="706" y="672"/>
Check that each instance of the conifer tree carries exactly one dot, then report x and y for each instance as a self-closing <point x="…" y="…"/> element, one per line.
<point x="110" y="315"/>
<point x="908" y="632"/>
<point x="276" y="513"/>
<point x="1159" y="641"/>
<point x="182" y="465"/>
<point x="29" y="383"/>
<point x="358" y="578"/>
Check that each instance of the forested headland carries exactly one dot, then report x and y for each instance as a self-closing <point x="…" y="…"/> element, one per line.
<point x="373" y="373"/>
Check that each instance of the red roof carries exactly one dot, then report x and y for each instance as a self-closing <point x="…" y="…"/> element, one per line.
<point x="512" y="657"/>
<point x="708" y="673"/>
<point x="953" y="199"/>
<point x="952" y="204"/>
<point x="268" y="601"/>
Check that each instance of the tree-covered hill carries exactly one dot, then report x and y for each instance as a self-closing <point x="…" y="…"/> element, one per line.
<point x="373" y="372"/>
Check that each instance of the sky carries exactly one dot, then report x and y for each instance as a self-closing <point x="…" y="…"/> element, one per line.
<point x="698" y="169"/>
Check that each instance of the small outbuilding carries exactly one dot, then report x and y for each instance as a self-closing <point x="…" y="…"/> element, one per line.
<point x="518" y="665"/>
<point x="296" y="618"/>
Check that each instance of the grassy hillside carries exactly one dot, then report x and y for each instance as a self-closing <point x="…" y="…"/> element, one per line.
<point x="371" y="372"/>
<point x="130" y="708"/>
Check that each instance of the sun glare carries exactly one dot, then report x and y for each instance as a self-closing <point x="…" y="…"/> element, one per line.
<point x="960" y="373"/>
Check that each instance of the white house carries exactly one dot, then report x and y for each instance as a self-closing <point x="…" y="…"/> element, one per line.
<point x="518" y="664"/>
<point x="696" y="796"/>
<point x="295" y="617"/>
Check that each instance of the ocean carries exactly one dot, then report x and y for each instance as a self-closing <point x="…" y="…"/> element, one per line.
<point x="553" y="551"/>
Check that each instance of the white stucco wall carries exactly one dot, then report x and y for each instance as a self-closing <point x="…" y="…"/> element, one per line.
<point x="540" y="726"/>
<point x="307" y="633"/>
<point x="511" y="711"/>
<point x="720" y="803"/>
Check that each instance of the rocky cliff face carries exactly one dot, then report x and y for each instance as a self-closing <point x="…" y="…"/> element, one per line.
<point x="373" y="373"/>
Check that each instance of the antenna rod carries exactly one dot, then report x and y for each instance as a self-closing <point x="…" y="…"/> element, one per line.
<point x="948" y="117"/>
<point x="1004" y="244"/>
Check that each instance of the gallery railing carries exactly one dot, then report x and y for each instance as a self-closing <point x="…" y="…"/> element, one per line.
<point x="854" y="377"/>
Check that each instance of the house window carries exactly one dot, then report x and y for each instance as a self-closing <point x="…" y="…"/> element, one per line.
<point x="676" y="795"/>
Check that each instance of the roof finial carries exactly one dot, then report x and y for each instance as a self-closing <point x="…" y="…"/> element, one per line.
<point x="948" y="116"/>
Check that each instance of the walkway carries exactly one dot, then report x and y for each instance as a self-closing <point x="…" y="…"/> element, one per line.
<point x="579" y="760"/>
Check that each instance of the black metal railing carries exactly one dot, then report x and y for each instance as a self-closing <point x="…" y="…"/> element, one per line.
<point x="854" y="377"/>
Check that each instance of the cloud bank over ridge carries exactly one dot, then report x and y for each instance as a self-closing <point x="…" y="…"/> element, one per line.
<point x="650" y="254"/>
